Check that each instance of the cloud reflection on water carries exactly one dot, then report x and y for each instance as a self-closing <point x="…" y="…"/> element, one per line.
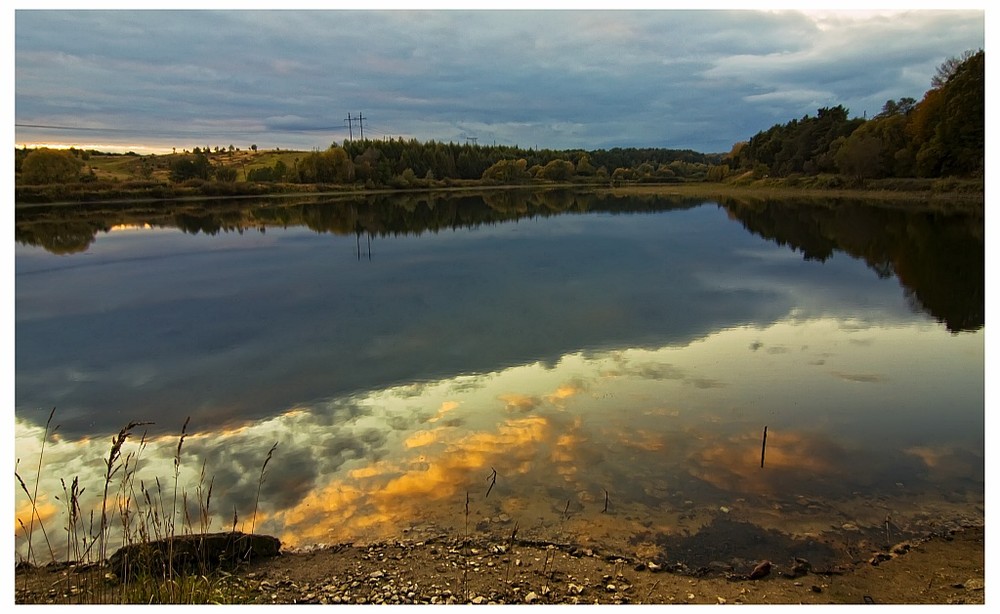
<point x="627" y="421"/>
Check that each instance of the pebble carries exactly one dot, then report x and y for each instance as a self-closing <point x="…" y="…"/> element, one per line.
<point x="531" y="597"/>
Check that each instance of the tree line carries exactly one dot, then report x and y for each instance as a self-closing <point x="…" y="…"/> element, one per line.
<point x="402" y="163"/>
<point x="941" y="135"/>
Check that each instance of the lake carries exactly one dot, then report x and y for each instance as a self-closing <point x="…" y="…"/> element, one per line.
<point x="577" y="368"/>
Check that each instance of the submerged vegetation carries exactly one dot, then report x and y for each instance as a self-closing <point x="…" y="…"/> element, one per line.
<point x="936" y="144"/>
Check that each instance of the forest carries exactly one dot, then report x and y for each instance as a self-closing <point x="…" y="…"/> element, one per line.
<point x="940" y="136"/>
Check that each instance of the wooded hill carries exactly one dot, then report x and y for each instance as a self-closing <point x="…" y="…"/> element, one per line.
<point x="942" y="135"/>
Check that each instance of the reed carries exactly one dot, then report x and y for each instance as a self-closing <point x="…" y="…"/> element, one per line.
<point x="260" y="483"/>
<point x="173" y="511"/>
<point x="33" y="495"/>
<point x="510" y="558"/>
<point x="135" y="518"/>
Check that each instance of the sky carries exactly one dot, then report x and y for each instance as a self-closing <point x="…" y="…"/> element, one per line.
<point x="153" y="80"/>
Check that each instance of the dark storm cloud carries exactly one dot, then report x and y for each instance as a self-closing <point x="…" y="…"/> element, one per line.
<point x="691" y="79"/>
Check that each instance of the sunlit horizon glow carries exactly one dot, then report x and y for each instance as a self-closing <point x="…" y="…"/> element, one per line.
<point x="113" y="148"/>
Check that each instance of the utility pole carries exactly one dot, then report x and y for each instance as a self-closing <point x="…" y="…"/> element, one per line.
<point x="350" y="125"/>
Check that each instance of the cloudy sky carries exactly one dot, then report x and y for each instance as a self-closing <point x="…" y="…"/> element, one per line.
<point x="556" y="78"/>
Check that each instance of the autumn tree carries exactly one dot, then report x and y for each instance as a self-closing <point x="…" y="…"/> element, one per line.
<point x="859" y="157"/>
<point x="584" y="166"/>
<point x="948" y="68"/>
<point x="44" y="165"/>
<point x="557" y="170"/>
<point x="507" y="171"/>
<point x="330" y="166"/>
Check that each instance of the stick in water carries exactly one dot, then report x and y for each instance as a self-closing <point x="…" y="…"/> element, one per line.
<point x="763" y="446"/>
<point x="492" y="483"/>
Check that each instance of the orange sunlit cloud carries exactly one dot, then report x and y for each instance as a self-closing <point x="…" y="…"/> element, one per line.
<point x="372" y="470"/>
<point x="386" y="496"/>
<point x="422" y="438"/>
<point x="321" y="513"/>
<point x="565" y="392"/>
<point x="446" y="407"/>
<point x="44" y="510"/>
<point x="643" y="440"/>
<point x="520" y="403"/>
<point x="734" y="464"/>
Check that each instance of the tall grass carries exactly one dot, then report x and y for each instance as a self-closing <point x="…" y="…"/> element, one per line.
<point x="140" y="522"/>
<point x="33" y="495"/>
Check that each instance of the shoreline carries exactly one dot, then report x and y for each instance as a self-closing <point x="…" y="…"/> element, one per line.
<point x="947" y="568"/>
<point x="690" y="189"/>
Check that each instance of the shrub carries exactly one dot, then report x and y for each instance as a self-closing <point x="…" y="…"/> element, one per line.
<point x="45" y="165"/>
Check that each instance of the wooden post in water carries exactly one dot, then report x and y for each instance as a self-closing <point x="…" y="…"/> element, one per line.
<point x="763" y="446"/>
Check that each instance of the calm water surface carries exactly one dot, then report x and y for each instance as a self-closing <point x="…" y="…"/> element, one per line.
<point x="613" y="361"/>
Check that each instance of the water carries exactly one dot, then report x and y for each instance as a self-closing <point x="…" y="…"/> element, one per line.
<point x="591" y="370"/>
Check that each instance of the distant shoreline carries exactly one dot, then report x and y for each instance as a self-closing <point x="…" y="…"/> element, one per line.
<point x="770" y="190"/>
